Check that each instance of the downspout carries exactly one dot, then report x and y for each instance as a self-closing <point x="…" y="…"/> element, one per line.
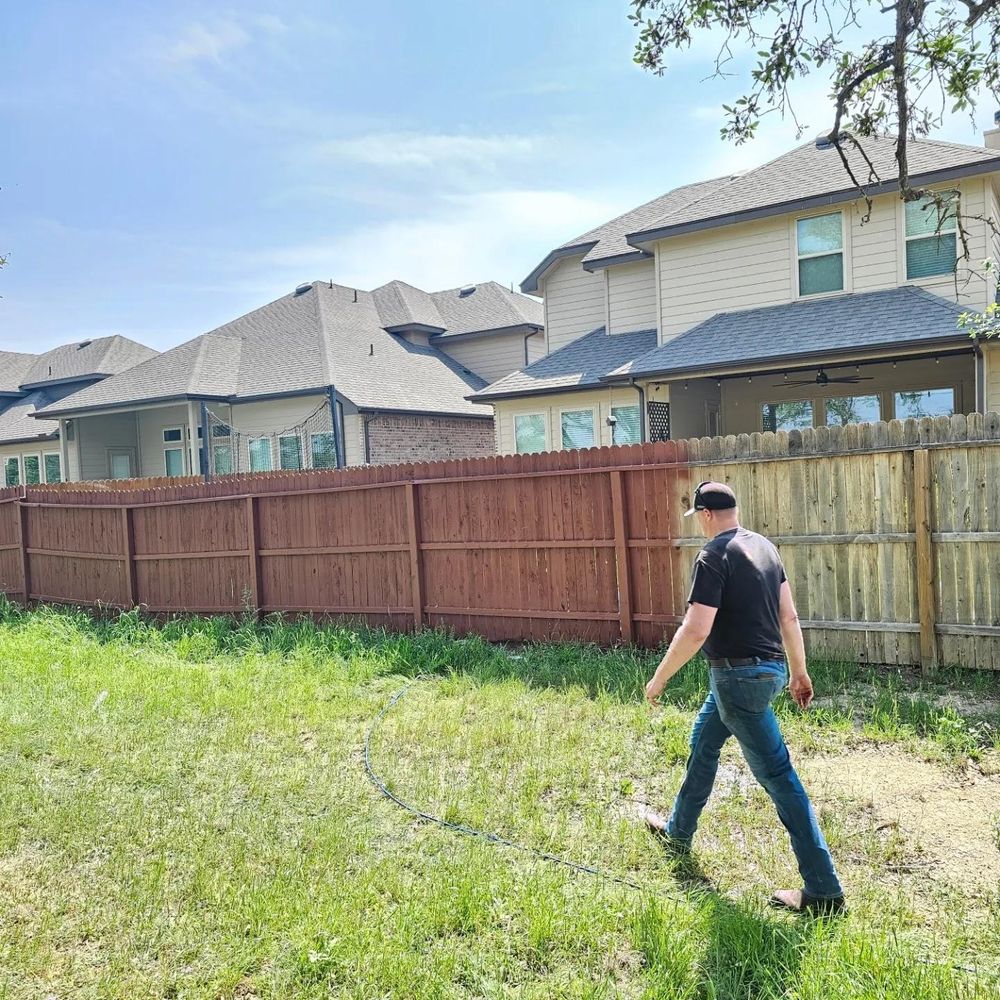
<point x="527" y="337"/>
<point x="642" y="408"/>
<point x="206" y="436"/>
<point x="365" y="421"/>
<point x="336" y="422"/>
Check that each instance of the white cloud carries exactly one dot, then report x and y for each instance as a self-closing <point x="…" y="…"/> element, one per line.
<point x="428" y="150"/>
<point x="497" y="235"/>
<point x="209" y="41"/>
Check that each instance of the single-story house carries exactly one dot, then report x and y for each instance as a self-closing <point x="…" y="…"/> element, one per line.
<point x="326" y="375"/>
<point x="31" y="450"/>
<point x="768" y="300"/>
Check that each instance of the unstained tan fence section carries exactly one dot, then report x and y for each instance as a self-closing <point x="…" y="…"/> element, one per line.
<point x="890" y="534"/>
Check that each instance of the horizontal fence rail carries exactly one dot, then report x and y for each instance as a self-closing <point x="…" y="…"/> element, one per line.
<point x="890" y="533"/>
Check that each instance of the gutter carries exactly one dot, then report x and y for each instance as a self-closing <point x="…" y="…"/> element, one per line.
<point x="736" y="368"/>
<point x="813" y="201"/>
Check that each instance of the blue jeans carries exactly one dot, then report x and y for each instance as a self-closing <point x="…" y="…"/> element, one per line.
<point x="739" y="704"/>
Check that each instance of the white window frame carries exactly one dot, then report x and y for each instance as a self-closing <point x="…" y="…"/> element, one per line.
<point x="593" y="417"/>
<point x="545" y="425"/>
<point x="302" y="452"/>
<point x="181" y="446"/>
<point x="270" y="447"/>
<point x="45" y="473"/>
<point x="845" y="247"/>
<point x="180" y="430"/>
<point x="623" y="406"/>
<point x="24" y="468"/>
<point x="20" y="471"/>
<point x="819" y="406"/>
<point x="930" y="279"/>
<point x="955" y="388"/>
<point x="811" y="400"/>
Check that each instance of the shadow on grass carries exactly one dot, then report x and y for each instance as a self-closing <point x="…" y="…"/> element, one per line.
<point x="742" y="951"/>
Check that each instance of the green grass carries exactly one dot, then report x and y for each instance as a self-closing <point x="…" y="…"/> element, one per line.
<point x="184" y="813"/>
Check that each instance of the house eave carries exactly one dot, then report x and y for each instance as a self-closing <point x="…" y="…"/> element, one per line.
<point x="804" y="359"/>
<point x="530" y="284"/>
<point x="36" y="439"/>
<point x="600" y="263"/>
<point x="445" y="414"/>
<point x="550" y="391"/>
<point x="642" y="237"/>
<point x="47" y="383"/>
<point x="448" y="338"/>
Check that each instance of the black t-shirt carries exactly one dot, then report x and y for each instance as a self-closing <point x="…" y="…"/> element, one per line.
<point x="740" y="573"/>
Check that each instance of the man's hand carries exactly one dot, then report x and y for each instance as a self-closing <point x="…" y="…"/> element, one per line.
<point x="800" y="687"/>
<point x="653" y="691"/>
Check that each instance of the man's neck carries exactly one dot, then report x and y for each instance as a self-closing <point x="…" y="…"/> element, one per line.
<point x="731" y="525"/>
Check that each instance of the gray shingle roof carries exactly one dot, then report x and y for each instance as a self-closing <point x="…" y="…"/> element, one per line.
<point x="806" y="328"/>
<point x="401" y="305"/>
<point x="486" y="306"/>
<point x="13" y="368"/>
<point x="298" y="342"/>
<point x="89" y="358"/>
<point x="804" y="173"/>
<point x="580" y="364"/>
<point x="809" y="172"/>
<point x="17" y="422"/>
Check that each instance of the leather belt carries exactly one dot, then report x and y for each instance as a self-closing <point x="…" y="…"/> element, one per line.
<point x="747" y="661"/>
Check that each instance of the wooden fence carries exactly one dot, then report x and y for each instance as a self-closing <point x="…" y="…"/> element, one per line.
<point x="890" y="534"/>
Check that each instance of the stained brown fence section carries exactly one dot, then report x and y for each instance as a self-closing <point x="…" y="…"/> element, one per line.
<point x="890" y="534"/>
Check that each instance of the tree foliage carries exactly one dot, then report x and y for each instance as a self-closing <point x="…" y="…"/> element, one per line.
<point x="894" y="69"/>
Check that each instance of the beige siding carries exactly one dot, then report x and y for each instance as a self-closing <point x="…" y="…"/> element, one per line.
<point x="152" y="424"/>
<point x="754" y="264"/>
<point x="575" y="302"/>
<point x="742" y="400"/>
<point x="991" y="356"/>
<point x="490" y="357"/>
<point x="97" y="435"/>
<point x="632" y="296"/>
<point x="722" y="270"/>
<point x="354" y="439"/>
<point x="600" y="400"/>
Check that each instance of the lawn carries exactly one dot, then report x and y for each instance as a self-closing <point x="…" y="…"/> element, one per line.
<point x="184" y="812"/>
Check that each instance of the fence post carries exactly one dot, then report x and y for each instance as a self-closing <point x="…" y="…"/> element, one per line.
<point x="128" y="554"/>
<point x="927" y="611"/>
<point x="621" y="554"/>
<point x="413" y="531"/>
<point x="253" y="552"/>
<point x="22" y="540"/>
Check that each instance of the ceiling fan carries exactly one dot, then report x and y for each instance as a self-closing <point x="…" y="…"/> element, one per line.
<point x="823" y="379"/>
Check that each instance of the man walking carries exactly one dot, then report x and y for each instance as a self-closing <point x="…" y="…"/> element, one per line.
<point x="740" y="610"/>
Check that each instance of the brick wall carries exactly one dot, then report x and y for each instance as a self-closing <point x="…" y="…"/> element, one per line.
<point x="398" y="438"/>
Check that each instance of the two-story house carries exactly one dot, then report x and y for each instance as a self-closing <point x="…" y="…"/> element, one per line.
<point x="769" y="300"/>
<point x="32" y="450"/>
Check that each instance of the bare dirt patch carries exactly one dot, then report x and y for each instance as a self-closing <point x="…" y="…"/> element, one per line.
<point x="949" y="821"/>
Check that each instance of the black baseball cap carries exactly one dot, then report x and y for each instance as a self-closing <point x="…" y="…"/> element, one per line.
<point x="712" y="496"/>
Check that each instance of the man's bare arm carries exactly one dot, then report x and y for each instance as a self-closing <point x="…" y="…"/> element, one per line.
<point x="687" y="640"/>
<point x="800" y="684"/>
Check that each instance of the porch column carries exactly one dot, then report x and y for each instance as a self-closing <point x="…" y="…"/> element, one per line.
<point x="193" y="409"/>
<point x="63" y="451"/>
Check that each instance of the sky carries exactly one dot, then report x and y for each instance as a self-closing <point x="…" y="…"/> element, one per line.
<point x="167" y="167"/>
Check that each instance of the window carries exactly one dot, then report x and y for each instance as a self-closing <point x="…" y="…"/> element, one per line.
<point x="53" y="467"/>
<point x="171" y="434"/>
<point x="626" y="428"/>
<point x="529" y="433"/>
<point x="12" y="472"/>
<point x="324" y="454"/>
<point x="32" y="470"/>
<point x="290" y="451"/>
<point x="820" y="245"/>
<point x="173" y="461"/>
<point x="261" y="459"/>
<point x="219" y="431"/>
<point x="930" y="239"/>
<point x="788" y="416"/>
<point x="842" y="410"/>
<point x="223" y="458"/>
<point x="120" y="464"/>
<point x="925" y="403"/>
<point x="577" y="428"/>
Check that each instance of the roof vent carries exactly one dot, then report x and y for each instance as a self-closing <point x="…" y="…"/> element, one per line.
<point x="304" y="287"/>
<point x="466" y="290"/>
<point x="996" y="117"/>
<point x="83" y="344"/>
<point x="823" y="141"/>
